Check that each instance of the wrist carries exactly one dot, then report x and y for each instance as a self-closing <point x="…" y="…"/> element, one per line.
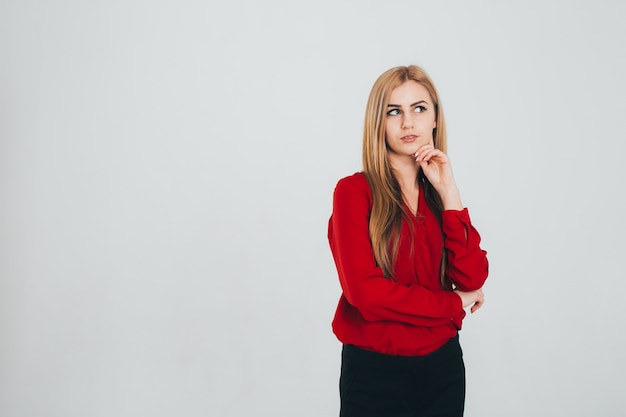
<point x="451" y="198"/>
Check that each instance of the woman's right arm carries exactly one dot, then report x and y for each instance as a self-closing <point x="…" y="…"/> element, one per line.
<point x="376" y="297"/>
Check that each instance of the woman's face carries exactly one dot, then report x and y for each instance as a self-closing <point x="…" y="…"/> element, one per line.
<point x="410" y="119"/>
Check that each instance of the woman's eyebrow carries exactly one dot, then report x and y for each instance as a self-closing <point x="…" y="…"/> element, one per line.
<point x="412" y="105"/>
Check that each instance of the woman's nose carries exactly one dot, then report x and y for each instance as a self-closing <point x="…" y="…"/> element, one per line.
<point x="407" y="123"/>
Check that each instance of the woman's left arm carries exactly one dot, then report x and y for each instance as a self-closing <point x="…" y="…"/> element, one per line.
<point x="436" y="166"/>
<point x="467" y="263"/>
<point x="468" y="266"/>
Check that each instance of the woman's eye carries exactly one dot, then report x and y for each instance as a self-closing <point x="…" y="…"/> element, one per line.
<point x="420" y="109"/>
<point x="393" y="112"/>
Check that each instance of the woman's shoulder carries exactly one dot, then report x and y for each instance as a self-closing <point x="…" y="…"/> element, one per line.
<point x="353" y="186"/>
<point x="356" y="180"/>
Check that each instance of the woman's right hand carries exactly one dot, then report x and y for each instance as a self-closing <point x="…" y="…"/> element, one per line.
<point x="476" y="299"/>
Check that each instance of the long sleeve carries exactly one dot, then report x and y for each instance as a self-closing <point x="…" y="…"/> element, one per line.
<point x="468" y="266"/>
<point x="364" y="285"/>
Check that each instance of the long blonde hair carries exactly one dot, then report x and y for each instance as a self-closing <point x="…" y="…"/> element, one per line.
<point x="387" y="209"/>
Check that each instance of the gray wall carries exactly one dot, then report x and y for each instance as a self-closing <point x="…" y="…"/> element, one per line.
<point x="166" y="174"/>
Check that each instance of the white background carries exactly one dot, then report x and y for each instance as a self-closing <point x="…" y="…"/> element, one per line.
<point x="166" y="174"/>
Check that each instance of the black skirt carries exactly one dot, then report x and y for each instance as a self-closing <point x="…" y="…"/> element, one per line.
<point x="379" y="385"/>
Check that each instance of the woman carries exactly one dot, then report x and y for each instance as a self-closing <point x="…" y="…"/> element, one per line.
<point x="408" y="260"/>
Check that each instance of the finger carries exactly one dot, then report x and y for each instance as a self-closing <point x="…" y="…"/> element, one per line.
<point x="476" y="306"/>
<point x="425" y="155"/>
<point x="437" y="155"/>
<point x="422" y="149"/>
<point x="430" y="154"/>
<point x="479" y="303"/>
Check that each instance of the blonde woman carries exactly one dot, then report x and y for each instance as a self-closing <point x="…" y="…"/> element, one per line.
<point x="408" y="258"/>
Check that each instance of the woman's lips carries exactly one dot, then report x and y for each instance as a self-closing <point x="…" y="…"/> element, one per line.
<point x="408" y="138"/>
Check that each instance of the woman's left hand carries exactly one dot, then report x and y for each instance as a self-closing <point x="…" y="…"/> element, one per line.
<point x="436" y="166"/>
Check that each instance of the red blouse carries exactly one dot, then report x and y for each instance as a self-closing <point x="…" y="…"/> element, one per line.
<point x="413" y="315"/>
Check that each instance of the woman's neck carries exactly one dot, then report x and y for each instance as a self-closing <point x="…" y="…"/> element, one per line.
<point x="406" y="171"/>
